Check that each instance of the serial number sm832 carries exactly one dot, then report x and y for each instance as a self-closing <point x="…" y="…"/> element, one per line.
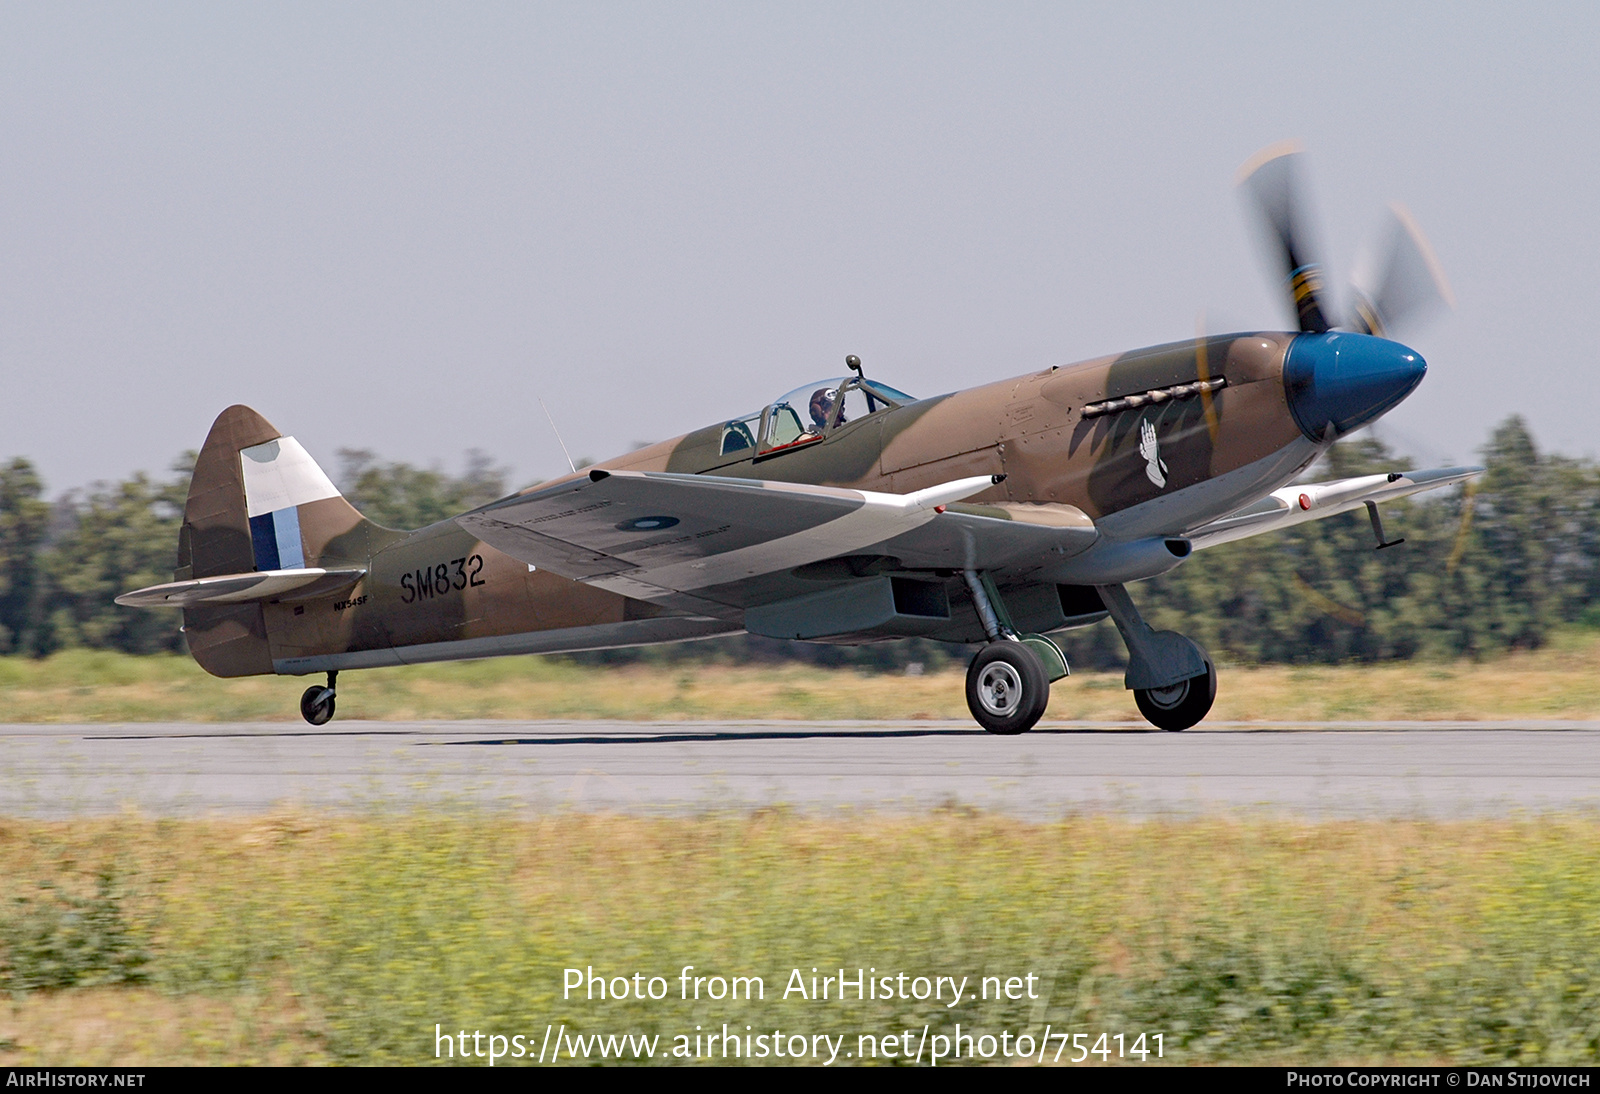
<point x="441" y="579"/>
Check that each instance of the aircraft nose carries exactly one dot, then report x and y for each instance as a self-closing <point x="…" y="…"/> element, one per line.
<point x="1346" y="380"/>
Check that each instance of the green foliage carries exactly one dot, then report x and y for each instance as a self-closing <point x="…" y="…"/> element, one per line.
<point x="398" y="495"/>
<point x="115" y="538"/>
<point x="1493" y="568"/>
<point x="55" y="939"/>
<point x="24" y="519"/>
<point x="1240" y="942"/>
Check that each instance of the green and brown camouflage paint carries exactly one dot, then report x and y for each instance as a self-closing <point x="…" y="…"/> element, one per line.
<point x="441" y="584"/>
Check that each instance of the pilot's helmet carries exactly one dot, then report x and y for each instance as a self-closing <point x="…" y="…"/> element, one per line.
<point x="822" y="401"/>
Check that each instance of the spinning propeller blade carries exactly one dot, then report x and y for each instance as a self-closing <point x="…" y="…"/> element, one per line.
<point x="1399" y="281"/>
<point x="1271" y="179"/>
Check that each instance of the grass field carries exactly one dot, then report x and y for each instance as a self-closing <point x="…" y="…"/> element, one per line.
<point x="1560" y="681"/>
<point x="303" y="938"/>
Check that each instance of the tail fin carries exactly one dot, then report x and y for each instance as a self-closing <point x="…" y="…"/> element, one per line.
<point x="258" y="501"/>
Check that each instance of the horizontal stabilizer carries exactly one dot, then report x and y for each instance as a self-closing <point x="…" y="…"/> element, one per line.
<point x="1312" y="501"/>
<point x="306" y="584"/>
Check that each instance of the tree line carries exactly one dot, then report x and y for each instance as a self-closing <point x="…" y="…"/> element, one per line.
<point x="1490" y="568"/>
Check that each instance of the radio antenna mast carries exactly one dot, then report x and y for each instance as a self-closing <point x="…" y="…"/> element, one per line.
<point x="557" y="432"/>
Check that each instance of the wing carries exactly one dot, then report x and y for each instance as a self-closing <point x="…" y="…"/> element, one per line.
<point x="693" y="540"/>
<point x="1312" y="501"/>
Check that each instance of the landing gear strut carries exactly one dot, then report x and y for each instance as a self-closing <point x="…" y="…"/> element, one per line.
<point x="316" y="705"/>
<point x="1172" y="679"/>
<point x="1008" y="683"/>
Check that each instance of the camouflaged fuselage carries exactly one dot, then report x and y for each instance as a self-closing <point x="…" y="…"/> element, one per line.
<point x="440" y="593"/>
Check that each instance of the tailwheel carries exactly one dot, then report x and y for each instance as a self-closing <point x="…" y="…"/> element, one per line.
<point x="1007" y="688"/>
<point x="316" y="704"/>
<point x="1183" y="704"/>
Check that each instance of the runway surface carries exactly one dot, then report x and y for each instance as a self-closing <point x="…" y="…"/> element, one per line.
<point x="1328" y="770"/>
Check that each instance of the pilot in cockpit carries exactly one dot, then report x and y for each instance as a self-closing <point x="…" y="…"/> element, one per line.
<point x="822" y="401"/>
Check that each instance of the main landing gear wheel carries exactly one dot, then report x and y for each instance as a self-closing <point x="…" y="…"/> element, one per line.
<point x="316" y="705"/>
<point x="1007" y="688"/>
<point x="1183" y="704"/>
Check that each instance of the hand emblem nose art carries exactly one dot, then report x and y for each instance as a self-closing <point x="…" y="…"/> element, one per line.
<point x="1155" y="468"/>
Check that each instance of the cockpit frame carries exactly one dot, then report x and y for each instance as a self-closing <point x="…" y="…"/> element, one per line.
<point x="783" y="426"/>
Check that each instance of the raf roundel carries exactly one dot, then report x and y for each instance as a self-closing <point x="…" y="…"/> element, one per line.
<point x="647" y="524"/>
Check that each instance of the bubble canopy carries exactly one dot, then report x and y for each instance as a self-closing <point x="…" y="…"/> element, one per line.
<point x="810" y="412"/>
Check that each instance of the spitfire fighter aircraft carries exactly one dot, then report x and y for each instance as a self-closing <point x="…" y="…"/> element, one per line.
<point x="845" y="511"/>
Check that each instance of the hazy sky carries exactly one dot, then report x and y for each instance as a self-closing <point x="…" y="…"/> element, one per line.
<point x="397" y="227"/>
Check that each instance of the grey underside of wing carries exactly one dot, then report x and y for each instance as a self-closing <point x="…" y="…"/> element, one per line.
<point x="1276" y="510"/>
<point x="1010" y="550"/>
<point x="626" y="524"/>
<point x="615" y="530"/>
<point x="584" y="529"/>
